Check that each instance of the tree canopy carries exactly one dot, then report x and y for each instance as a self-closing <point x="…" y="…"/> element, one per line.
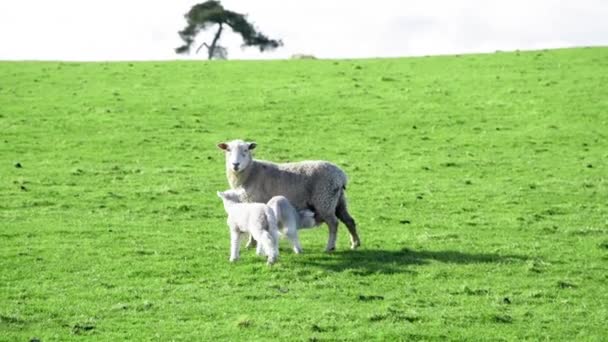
<point x="211" y="13"/>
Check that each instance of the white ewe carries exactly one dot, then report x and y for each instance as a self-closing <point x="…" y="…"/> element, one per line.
<point x="316" y="185"/>
<point x="257" y="219"/>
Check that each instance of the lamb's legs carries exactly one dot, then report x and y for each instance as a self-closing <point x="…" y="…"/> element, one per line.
<point x="251" y="243"/>
<point x="292" y="235"/>
<point x="274" y="234"/>
<point x="332" y="224"/>
<point x="267" y="241"/>
<point x="259" y="250"/>
<point x="289" y="227"/>
<point x="234" y="245"/>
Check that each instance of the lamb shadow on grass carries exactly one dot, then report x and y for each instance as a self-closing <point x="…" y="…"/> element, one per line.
<point x="370" y="261"/>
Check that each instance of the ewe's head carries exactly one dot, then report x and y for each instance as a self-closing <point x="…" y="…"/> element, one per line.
<point x="238" y="154"/>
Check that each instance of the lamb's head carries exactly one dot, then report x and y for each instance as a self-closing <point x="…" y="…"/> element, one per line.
<point x="231" y="196"/>
<point x="238" y="154"/>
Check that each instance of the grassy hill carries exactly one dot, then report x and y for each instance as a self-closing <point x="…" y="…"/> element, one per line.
<point x="478" y="182"/>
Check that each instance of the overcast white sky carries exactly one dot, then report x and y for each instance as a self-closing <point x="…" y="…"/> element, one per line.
<point x="147" y="29"/>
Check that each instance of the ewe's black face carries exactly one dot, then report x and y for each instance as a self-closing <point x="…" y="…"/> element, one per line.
<point x="238" y="154"/>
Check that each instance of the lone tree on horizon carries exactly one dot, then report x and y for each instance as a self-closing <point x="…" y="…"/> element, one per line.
<point x="210" y="13"/>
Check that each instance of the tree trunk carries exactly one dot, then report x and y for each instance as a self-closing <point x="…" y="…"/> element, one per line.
<point x="201" y="46"/>
<point x="211" y="49"/>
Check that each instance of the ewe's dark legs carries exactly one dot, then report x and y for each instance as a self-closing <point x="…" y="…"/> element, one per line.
<point x="344" y="216"/>
<point x="332" y="224"/>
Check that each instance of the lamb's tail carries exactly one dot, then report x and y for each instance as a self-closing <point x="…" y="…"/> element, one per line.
<point x="274" y="206"/>
<point x="270" y="238"/>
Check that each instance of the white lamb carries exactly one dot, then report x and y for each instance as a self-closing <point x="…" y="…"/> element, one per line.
<point x="257" y="219"/>
<point x="289" y="220"/>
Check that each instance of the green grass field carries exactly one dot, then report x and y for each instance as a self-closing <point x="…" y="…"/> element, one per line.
<point x="478" y="182"/>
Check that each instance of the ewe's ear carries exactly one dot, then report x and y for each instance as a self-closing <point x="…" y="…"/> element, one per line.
<point x="223" y="146"/>
<point x="252" y="145"/>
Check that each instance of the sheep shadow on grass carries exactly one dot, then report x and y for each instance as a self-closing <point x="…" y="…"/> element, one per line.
<point x="370" y="261"/>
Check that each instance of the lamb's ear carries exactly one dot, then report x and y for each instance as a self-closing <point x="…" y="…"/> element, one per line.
<point x="220" y="194"/>
<point x="223" y="146"/>
<point x="252" y="145"/>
